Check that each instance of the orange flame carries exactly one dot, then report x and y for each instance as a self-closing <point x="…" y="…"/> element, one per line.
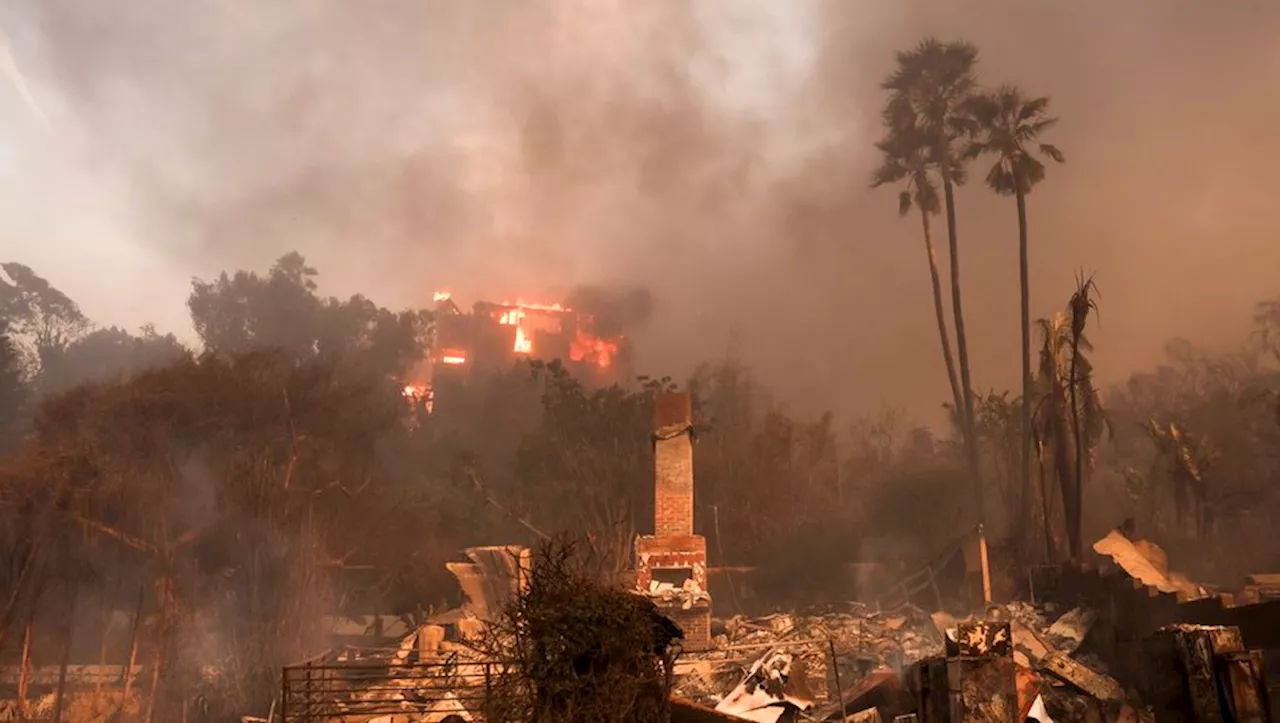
<point x="524" y="316"/>
<point x="588" y="348"/>
<point x="523" y="345"/>
<point x="514" y="317"/>
<point x="440" y="296"/>
<point x="535" y="307"/>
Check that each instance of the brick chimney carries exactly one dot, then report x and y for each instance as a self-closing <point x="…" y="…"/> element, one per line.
<point x="671" y="564"/>
<point x="673" y="465"/>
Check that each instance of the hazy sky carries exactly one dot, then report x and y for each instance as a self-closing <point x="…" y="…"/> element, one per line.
<point x="714" y="151"/>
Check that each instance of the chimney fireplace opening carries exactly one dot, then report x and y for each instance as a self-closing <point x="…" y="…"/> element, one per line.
<point x="676" y="576"/>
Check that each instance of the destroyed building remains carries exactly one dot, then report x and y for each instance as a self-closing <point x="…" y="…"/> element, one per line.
<point x="492" y="336"/>
<point x="1119" y="637"/>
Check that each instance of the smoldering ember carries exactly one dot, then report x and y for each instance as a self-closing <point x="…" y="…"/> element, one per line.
<point x="302" y="508"/>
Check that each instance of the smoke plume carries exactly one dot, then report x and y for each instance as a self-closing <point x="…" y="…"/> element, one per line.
<point x="716" y="153"/>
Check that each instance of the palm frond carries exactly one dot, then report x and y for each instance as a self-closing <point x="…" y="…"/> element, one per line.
<point x="1004" y="120"/>
<point x="926" y="192"/>
<point x="1052" y="152"/>
<point x="1032" y="108"/>
<point x="1031" y="131"/>
<point x="889" y="172"/>
<point x="904" y="203"/>
<point x="1001" y="179"/>
<point x="1028" y="170"/>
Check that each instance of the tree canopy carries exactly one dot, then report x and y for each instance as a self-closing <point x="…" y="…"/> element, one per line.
<point x="282" y="310"/>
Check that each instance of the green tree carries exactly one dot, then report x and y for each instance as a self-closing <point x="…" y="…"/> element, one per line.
<point x="1226" y="398"/>
<point x="588" y="466"/>
<point x="906" y="158"/>
<point x="43" y="320"/>
<point x="1000" y="432"/>
<point x="244" y="311"/>
<point x="929" y="94"/>
<point x="244" y="488"/>
<point x="108" y="353"/>
<point x="1006" y="124"/>
<point x="60" y="347"/>
<point x="13" y="391"/>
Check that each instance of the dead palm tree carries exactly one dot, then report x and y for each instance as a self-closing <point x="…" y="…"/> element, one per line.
<point x="1006" y="124"/>
<point x="928" y="95"/>
<point x="906" y="158"/>
<point x="1188" y="457"/>
<point x="1069" y="420"/>
<point x="1082" y="391"/>
<point x="1052" y="426"/>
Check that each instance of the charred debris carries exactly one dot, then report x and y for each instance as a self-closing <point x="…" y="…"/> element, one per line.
<point x="1120" y="638"/>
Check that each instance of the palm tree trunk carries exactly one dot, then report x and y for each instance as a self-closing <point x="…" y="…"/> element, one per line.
<point x="1044" y="507"/>
<point x="1062" y="459"/>
<point x="962" y="348"/>
<point x="943" y="334"/>
<point x="1024" y="278"/>
<point x="1077" y="488"/>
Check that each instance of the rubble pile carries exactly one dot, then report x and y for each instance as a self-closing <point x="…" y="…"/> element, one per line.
<point x="775" y="684"/>
<point x="863" y="639"/>
<point x="873" y="648"/>
<point x="686" y="596"/>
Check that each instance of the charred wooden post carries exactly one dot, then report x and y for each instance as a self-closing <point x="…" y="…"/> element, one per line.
<point x="934" y="692"/>
<point x="1247" y="698"/>
<point x="1203" y="674"/>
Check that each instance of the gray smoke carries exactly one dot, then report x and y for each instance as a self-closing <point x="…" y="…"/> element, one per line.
<point x="715" y="153"/>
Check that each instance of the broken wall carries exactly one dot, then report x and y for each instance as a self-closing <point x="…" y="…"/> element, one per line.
<point x="1129" y="611"/>
<point x="490" y="581"/>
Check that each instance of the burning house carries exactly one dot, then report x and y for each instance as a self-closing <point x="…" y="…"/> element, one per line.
<point x="493" y="336"/>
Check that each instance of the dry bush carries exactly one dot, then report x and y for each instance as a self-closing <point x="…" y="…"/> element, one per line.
<point x="579" y="649"/>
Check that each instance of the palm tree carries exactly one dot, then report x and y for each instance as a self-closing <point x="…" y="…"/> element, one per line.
<point x="1082" y="390"/>
<point x="1069" y="420"/>
<point x="1052" y="416"/>
<point x="929" y="94"/>
<point x="1005" y="123"/>
<point x="1188" y="457"/>
<point x="906" y="157"/>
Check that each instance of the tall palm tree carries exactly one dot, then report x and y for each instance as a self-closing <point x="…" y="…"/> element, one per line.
<point x="929" y="94"/>
<point x="906" y="158"/>
<point x="1006" y="123"/>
